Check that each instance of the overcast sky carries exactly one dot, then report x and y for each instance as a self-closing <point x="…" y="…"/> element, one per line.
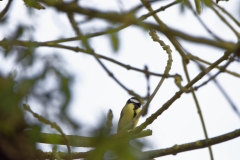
<point x="94" y="92"/>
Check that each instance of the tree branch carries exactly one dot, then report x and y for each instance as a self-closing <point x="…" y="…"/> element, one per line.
<point x="161" y="152"/>
<point x="80" y="141"/>
<point x="193" y="145"/>
<point x="5" y="9"/>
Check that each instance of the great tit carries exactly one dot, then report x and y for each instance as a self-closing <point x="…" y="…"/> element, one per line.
<point x="129" y="111"/>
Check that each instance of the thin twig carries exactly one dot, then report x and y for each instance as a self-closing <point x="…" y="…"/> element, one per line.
<point x="155" y="38"/>
<point x="109" y="122"/>
<point x="74" y="24"/>
<point x="202" y="23"/>
<point x="147" y="75"/>
<point x="234" y="107"/>
<point x="226" y="22"/>
<point x="131" y="92"/>
<point x="198" y="107"/>
<point x="214" y="76"/>
<point x="4" y="11"/>
<point x="192" y="57"/>
<point x="228" y="14"/>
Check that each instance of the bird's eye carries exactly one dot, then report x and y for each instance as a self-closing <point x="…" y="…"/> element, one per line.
<point x="134" y="101"/>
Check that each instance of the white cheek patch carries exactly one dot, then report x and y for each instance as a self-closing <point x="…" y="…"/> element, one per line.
<point x="134" y="100"/>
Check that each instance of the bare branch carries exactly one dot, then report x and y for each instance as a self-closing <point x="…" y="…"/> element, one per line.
<point x="193" y="145"/>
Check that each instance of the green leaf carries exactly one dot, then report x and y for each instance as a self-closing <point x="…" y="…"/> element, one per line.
<point x="208" y="2"/>
<point x="198" y="6"/>
<point x="114" y="41"/>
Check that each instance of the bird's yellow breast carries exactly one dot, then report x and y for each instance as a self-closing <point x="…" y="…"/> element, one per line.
<point x="127" y="116"/>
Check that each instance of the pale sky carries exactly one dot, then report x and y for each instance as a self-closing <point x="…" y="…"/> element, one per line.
<point x="94" y="92"/>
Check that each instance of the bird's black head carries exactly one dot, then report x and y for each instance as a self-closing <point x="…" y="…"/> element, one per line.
<point x="136" y="101"/>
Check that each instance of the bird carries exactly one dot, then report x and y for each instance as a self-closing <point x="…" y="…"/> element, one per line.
<point x="128" y="113"/>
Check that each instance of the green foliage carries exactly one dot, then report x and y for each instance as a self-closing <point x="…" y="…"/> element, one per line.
<point x="15" y="143"/>
<point x="198" y="6"/>
<point x="114" y="41"/>
<point x="20" y="86"/>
